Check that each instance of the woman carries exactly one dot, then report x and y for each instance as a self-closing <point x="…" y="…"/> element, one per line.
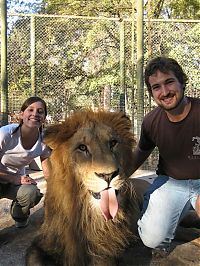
<point x="19" y="145"/>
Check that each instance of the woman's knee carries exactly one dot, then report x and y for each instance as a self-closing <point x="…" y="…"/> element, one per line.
<point x="27" y="195"/>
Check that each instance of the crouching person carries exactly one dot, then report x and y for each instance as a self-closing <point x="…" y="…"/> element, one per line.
<point x="174" y="128"/>
<point x="19" y="145"/>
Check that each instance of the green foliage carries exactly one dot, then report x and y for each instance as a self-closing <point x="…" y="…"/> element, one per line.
<point x="78" y="59"/>
<point x="110" y="8"/>
<point x="185" y="9"/>
<point x="28" y="6"/>
<point x="19" y="62"/>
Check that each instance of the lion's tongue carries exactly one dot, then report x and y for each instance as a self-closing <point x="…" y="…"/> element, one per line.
<point x="108" y="203"/>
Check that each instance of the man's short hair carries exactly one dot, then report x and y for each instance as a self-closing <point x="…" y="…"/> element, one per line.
<point x="164" y="65"/>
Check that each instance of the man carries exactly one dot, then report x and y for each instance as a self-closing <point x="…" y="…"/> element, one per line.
<point x="174" y="127"/>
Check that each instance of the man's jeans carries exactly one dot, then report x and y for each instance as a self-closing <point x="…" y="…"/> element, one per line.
<point x="165" y="204"/>
<point x="24" y="197"/>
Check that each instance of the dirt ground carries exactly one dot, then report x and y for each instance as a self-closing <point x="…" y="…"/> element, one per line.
<point x="13" y="241"/>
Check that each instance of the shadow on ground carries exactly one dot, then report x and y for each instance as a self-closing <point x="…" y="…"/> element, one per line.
<point x="14" y="242"/>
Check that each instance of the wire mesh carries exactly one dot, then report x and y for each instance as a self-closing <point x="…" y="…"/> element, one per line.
<point x="77" y="62"/>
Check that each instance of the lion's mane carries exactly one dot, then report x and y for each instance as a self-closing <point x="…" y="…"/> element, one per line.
<point x="74" y="231"/>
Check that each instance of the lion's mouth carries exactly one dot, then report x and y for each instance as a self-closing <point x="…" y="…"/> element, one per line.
<point x="97" y="195"/>
<point x="108" y="202"/>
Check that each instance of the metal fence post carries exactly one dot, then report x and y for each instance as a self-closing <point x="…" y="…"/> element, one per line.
<point x="133" y="64"/>
<point x="4" y="75"/>
<point x="122" y="67"/>
<point x="32" y="63"/>
<point x="139" y="67"/>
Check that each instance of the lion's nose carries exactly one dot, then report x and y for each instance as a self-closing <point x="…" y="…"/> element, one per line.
<point x="108" y="176"/>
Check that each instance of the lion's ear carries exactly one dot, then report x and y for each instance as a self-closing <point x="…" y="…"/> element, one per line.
<point x="51" y="135"/>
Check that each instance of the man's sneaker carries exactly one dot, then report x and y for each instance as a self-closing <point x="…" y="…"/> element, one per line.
<point x="21" y="224"/>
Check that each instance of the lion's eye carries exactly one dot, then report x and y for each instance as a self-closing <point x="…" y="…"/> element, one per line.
<point x="113" y="143"/>
<point x="82" y="147"/>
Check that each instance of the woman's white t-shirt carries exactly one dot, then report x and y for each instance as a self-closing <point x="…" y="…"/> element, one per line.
<point x="13" y="157"/>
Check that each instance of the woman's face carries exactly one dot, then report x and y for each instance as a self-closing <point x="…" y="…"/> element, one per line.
<point x="34" y="115"/>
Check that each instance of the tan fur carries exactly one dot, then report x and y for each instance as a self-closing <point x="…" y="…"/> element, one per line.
<point x="74" y="231"/>
<point x="87" y="146"/>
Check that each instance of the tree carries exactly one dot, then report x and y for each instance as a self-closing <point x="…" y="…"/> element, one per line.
<point x="18" y="62"/>
<point x="28" y="6"/>
<point x="77" y="59"/>
<point x="182" y="9"/>
<point x="109" y="8"/>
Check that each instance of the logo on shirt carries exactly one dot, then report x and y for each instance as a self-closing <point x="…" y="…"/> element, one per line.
<point x="196" y="147"/>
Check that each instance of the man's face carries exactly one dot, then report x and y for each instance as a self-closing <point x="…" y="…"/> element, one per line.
<point x="167" y="91"/>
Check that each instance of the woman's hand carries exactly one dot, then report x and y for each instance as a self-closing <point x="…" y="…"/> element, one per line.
<point x="14" y="179"/>
<point x="27" y="180"/>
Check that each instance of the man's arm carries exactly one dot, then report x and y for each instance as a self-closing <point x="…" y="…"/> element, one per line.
<point x="139" y="157"/>
<point x="46" y="167"/>
<point x="197" y="208"/>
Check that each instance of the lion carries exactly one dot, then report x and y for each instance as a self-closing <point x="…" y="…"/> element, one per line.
<point x="91" y="205"/>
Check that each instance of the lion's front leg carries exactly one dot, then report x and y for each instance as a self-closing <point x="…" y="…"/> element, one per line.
<point x="37" y="256"/>
<point x="34" y="257"/>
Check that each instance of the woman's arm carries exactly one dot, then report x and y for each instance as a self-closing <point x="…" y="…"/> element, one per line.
<point x="15" y="179"/>
<point x="9" y="178"/>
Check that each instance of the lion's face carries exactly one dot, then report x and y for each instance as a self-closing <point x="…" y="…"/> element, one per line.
<point x="96" y="156"/>
<point x="97" y="151"/>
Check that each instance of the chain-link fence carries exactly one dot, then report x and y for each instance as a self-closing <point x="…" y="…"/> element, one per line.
<point x="77" y="62"/>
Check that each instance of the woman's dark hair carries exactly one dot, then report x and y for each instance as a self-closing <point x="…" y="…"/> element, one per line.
<point x="31" y="100"/>
<point x="164" y="65"/>
<point x="26" y="104"/>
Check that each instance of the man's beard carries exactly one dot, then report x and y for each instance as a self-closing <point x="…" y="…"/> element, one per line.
<point x="174" y="107"/>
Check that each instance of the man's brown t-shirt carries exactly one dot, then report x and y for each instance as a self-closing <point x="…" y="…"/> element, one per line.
<point x="178" y="142"/>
